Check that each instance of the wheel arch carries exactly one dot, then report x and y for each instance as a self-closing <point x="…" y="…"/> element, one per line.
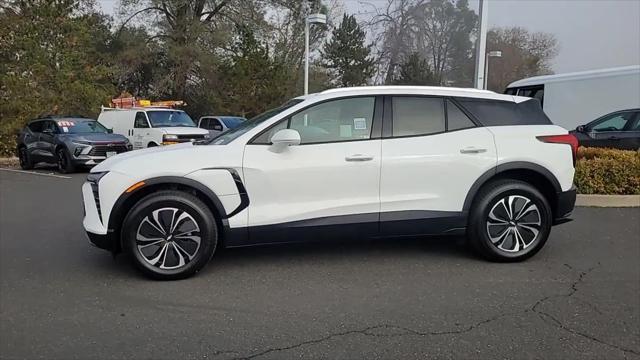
<point x="534" y="174"/>
<point x="126" y="201"/>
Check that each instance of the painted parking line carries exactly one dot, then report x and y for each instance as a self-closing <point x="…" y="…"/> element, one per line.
<point x="37" y="173"/>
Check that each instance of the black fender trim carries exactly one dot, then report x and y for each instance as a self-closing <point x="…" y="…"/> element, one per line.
<point x="516" y="165"/>
<point x="119" y="211"/>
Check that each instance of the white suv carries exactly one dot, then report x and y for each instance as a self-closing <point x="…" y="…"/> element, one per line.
<point x="353" y="162"/>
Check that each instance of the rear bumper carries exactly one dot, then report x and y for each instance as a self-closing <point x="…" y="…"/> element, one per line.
<point x="564" y="206"/>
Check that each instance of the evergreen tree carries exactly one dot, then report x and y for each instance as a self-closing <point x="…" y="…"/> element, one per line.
<point x="347" y="55"/>
<point x="415" y="70"/>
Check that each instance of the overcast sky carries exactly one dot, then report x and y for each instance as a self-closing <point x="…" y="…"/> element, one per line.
<point x="593" y="34"/>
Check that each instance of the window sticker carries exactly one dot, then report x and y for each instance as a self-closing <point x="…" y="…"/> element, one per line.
<point x="65" y="129"/>
<point x="360" y="124"/>
<point x="345" y="131"/>
<point x="65" y="123"/>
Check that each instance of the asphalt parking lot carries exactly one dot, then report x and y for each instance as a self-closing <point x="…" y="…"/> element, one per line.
<point x="60" y="298"/>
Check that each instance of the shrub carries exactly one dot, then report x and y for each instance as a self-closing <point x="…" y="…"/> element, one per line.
<point x="608" y="171"/>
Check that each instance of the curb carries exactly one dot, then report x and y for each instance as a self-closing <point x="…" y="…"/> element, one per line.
<point x="608" y="200"/>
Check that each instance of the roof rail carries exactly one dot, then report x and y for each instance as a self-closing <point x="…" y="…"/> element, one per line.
<point x="405" y="87"/>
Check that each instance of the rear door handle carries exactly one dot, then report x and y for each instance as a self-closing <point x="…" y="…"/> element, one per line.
<point x="472" y="150"/>
<point x="359" y="157"/>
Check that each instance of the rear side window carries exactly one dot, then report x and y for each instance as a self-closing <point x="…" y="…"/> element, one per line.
<point x="497" y="113"/>
<point x="456" y="119"/>
<point x="417" y="115"/>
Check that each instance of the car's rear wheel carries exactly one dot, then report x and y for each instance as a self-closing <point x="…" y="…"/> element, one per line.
<point x="25" y="159"/>
<point x="510" y="220"/>
<point x="170" y="235"/>
<point x="63" y="160"/>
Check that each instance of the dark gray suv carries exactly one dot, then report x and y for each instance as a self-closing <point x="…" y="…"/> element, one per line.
<point x="67" y="141"/>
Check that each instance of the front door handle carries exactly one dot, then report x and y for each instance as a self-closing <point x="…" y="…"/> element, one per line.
<point x="359" y="157"/>
<point x="472" y="150"/>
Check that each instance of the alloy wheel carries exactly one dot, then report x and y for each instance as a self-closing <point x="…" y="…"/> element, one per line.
<point x="168" y="238"/>
<point x="514" y="223"/>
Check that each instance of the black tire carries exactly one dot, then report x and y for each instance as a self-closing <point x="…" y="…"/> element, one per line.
<point x="152" y="144"/>
<point x="519" y="242"/>
<point x="25" y="159"/>
<point x="195" y="256"/>
<point x="64" y="162"/>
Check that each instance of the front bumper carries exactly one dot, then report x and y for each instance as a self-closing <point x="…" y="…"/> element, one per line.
<point x="565" y="203"/>
<point x="106" y="241"/>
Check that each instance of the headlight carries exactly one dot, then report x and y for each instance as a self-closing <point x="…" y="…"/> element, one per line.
<point x="168" y="137"/>
<point x="95" y="177"/>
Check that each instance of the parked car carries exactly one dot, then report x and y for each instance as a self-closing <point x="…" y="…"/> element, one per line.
<point x="152" y="126"/>
<point x="619" y="130"/>
<point x="354" y="162"/>
<point x="219" y="124"/>
<point x="67" y="141"/>
<point x="568" y="99"/>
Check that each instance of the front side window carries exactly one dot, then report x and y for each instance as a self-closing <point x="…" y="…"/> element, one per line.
<point x="417" y="116"/>
<point x="36" y="126"/>
<point x="204" y="123"/>
<point x="614" y="122"/>
<point x="331" y="121"/>
<point x="141" y="121"/>
<point x="170" y="119"/>
<point x="214" y="124"/>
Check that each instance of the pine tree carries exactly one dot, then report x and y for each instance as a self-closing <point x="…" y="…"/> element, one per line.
<point x="415" y="70"/>
<point x="347" y="55"/>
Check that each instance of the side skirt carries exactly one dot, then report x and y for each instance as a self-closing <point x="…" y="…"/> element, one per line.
<point x="360" y="226"/>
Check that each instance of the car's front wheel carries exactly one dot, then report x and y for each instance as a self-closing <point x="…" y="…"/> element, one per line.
<point x="170" y="235"/>
<point x="510" y="221"/>
<point x="64" y="162"/>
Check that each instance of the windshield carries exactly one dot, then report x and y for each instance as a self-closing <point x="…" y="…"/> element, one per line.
<point x="232" y="122"/>
<point x="232" y="134"/>
<point x="81" y="126"/>
<point x="170" y="119"/>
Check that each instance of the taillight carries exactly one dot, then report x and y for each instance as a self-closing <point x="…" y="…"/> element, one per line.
<point x="567" y="139"/>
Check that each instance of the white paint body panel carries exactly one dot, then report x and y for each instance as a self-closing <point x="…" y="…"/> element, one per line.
<point x="430" y="173"/>
<point x="311" y="181"/>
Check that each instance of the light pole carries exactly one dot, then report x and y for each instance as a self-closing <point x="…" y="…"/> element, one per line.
<point x="311" y="19"/>
<point x="481" y="43"/>
<point x="495" y="53"/>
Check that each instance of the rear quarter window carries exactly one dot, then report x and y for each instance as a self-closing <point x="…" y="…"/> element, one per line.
<point x="501" y="113"/>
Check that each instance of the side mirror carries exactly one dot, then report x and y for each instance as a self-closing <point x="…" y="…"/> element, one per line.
<point x="47" y="131"/>
<point x="217" y="127"/>
<point x="285" y="137"/>
<point x="109" y="131"/>
<point x="581" y="128"/>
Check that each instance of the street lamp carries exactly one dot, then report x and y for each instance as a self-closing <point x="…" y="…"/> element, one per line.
<point x="311" y="19"/>
<point x="496" y="53"/>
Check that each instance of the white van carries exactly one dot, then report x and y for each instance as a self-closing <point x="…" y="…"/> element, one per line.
<point x="574" y="99"/>
<point x="150" y="126"/>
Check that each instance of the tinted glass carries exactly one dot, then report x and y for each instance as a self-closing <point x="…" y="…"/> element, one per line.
<point x="170" y="119"/>
<point x="232" y="134"/>
<point x="337" y="120"/>
<point x="233" y="122"/>
<point x="141" y="121"/>
<point x="496" y="112"/>
<point x="511" y="91"/>
<point x="50" y="125"/>
<point x="215" y="125"/>
<point x="417" y="116"/>
<point x="456" y="119"/>
<point x="204" y="123"/>
<point x="81" y="126"/>
<point x="636" y="126"/>
<point x="36" y="126"/>
<point x="613" y="123"/>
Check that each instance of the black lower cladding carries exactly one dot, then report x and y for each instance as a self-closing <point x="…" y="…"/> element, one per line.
<point x="106" y="242"/>
<point x="359" y="226"/>
<point x="564" y="205"/>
